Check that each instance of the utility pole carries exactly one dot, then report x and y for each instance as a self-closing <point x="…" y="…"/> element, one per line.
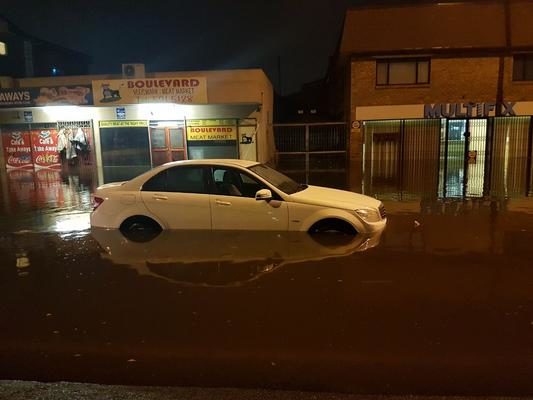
<point x="280" y="88"/>
<point x="506" y="51"/>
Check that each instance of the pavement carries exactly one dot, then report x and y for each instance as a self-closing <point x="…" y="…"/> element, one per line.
<point x="15" y="390"/>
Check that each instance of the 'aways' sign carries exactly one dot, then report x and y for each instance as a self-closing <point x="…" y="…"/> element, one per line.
<point x="469" y="110"/>
<point x="180" y="90"/>
<point x="46" y="96"/>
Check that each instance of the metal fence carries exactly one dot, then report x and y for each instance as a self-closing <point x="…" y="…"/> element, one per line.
<point x="321" y="147"/>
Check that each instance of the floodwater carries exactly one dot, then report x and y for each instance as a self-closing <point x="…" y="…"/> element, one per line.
<point x="440" y="303"/>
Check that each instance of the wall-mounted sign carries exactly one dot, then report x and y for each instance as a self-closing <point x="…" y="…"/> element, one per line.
<point x="28" y="116"/>
<point x="121" y="112"/>
<point x="124" y="124"/>
<point x="212" y="133"/>
<point x="179" y="90"/>
<point x="469" y="110"/>
<point x="212" y="129"/>
<point x="46" y="96"/>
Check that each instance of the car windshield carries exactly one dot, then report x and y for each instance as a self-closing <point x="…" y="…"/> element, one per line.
<point x="277" y="179"/>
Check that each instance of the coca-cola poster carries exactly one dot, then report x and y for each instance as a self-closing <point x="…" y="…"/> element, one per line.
<point x="17" y="149"/>
<point x="44" y="149"/>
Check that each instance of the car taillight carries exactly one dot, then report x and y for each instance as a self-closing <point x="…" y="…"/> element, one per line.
<point x="96" y="202"/>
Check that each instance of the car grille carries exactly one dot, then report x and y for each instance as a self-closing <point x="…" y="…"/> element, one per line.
<point x="382" y="211"/>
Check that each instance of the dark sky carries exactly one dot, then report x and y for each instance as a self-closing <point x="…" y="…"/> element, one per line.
<point x="192" y="35"/>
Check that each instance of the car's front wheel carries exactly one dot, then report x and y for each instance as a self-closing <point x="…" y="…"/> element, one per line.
<point x="332" y="225"/>
<point x="140" y="228"/>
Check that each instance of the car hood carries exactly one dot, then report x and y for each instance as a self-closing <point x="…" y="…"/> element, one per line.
<point x="321" y="196"/>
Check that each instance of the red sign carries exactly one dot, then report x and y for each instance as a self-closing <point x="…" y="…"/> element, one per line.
<point x="17" y="149"/>
<point x="44" y="149"/>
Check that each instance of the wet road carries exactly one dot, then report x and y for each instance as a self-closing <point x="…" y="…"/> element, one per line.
<point x="441" y="303"/>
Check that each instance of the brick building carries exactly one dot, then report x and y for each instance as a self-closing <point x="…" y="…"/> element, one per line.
<point x="440" y="96"/>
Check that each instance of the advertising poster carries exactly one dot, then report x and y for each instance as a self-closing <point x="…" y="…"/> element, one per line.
<point x="178" y="90"/>
<point x="44" y="149"/>
<point x="17" y="149"/>
<point x="46" y="96"/>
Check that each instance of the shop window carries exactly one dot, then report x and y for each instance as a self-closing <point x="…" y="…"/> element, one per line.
<point x="523" y="67"/>
<point x="178" y="180"/>
<point x="3" y="49"/>
<point x="402" y="72"/>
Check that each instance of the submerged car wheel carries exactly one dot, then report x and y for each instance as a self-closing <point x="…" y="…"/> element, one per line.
<point x="334" y="226"/>
<point x="140" y="228"/>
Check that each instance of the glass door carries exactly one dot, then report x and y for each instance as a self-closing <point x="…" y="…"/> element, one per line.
<point x="476" y="155"/>
<point x="463" y="158"/>
<point x="455" y="154"/>
<point x="167" y="144"/>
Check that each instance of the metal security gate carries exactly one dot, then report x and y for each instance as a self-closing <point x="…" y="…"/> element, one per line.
<point x="401" y="157"/>
<point x="463" y="152"/>
<point x="311" y="148"/>
<point x="449" y="157"/>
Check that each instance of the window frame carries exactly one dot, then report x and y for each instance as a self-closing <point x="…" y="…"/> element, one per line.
<point x="417" y="61"/>
<point x="214" y="191"/>
<point x="526" y="58"/>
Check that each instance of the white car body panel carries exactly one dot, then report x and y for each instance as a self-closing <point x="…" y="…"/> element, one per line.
<point x="245" y="213"/>
<point x="179" y="210"/>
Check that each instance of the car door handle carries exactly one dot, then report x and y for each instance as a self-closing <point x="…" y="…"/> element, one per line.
<point x="223" y="203"/>
<point x="159" y="197"/>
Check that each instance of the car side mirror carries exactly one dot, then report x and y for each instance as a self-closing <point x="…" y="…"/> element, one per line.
<point x="263" y="194"/>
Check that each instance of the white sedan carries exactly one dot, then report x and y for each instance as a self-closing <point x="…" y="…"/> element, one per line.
<point x="230" y="195"/>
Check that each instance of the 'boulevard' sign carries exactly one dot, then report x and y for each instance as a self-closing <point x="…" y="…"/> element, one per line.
<point x="469" y="110"/>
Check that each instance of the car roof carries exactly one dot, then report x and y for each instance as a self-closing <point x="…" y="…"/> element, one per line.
<point x="226" y="162"/>
<point x="138" y="181"/>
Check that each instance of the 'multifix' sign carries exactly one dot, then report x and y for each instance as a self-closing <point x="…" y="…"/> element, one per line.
<point x="469" y="110"/>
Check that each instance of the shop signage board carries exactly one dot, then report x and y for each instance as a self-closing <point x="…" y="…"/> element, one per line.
<point x="211" y="129"/>
<point x="17" y="149"/>
<point x="124" y="124"/>
<point x="469" y="110"/>
<point x="173" y="89"/>
<point x="46" y="96"/>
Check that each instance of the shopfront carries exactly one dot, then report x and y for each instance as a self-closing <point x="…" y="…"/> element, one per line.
<point x="464" y="154"/>
<point x="119" y="128"/>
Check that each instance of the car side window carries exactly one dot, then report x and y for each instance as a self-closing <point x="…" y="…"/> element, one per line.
<point x="157" y="183"/>
<point x="178" y="180"/>
<point x="232" y="182"/>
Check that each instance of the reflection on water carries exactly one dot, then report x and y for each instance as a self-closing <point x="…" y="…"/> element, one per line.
<point x="46" y="199"/>
<point x="224" y="258"/>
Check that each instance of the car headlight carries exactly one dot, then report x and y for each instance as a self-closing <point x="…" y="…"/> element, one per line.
<point x="368" y="214"/>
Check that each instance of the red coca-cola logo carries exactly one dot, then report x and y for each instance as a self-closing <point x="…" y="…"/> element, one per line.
<point x="47" y="158"/>
<point x="13" y="160"/>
